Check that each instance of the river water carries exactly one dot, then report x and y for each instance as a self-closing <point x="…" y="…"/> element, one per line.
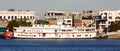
<point x="60" y="45"/>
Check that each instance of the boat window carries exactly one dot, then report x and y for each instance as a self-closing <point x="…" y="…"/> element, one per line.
<point x="88" y="29"/>
<point x="81" y="30"/>
<point x="55" y="30"/>
<point x="72" y="35"/>
<point x="23" y="30"/>
<point x="78" y="35"/>
<point x="39" y="35"/>
<point x="92" y="29"/>
<point x="68" y="30"/>
<point x="34" y="35"/>
<point x="63" y="30"/>
<point x="59" y="35"/>
<point x="18" y="34"/>
<point x="35" y="25"/>
<point x="86" y="35"/>
<point x="44" y="34"/>
<point x="42" y="25"/>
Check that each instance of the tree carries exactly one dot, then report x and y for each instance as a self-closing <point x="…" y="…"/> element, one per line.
<point x="114" y="26"/>
<point x="15" y="23"/>
<point x="12" y="24"/>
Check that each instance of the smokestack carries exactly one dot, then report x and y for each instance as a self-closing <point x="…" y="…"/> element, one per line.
<point x="73" y="21"/>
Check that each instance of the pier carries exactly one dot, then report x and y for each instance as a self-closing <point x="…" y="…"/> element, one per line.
<point x="110" y="35"/>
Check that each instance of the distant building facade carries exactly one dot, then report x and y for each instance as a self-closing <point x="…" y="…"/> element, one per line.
<point x="109" y="16"/>
<point x="88" y="17"/>
<point x="61" y="14"/>
<point x="78" y="18"/>
<point x="17" y="15"/>
<point x="3" y="22"/>
<point x="52" y="16"/>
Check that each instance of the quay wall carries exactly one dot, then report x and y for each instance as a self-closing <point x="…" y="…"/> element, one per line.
<point x="114" y="36"/>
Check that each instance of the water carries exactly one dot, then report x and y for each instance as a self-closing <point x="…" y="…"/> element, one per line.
<point x="60" y="45"/>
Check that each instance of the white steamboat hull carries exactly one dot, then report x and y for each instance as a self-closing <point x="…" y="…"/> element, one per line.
<point x="54" y="36"/>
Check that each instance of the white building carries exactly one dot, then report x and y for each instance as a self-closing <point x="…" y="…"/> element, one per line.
<point x="107" y="17"/>
<point x="12" y="15"/>
<point x="110" y="16"/>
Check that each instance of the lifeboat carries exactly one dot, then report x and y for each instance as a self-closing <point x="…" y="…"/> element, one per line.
<point x="8" y="35"/>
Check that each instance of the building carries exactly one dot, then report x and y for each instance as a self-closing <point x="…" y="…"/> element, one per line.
<point x="88" y="17"/>
<point x="61" y="14"/>
<point x="17" y="15"/>
<point x="79" y="19"/>
<point x="52" y="16"/>
<point x="3" y="22"/>
<point x="109" y="17"/>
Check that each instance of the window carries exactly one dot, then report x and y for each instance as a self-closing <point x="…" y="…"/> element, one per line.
<point x="15" y="17"/>
<point x="11" y="17"/>
<point x="33" y="17"/>
<point x="88" y="29"/>
<point x="109" y="22"/>
<point x="105" y="17"/>
<point x="30" y="17"/>
<point x="48" y="14"/>
<point x="23" y="30"/>
<point x="78" y="35"/>
<point x="68" y="20"/>
<point x="101" y="14"/>
<point x="59" y="14"/>
<point x="63" y="30"/>
<point x="4" y="17"/>
<point x="51" y="14"/>
<point x="35" y="25"/>
<point x="105" y="13"/>
<point x="24" y="17"/>
<point x="21" y="17"/>
<point x="117" y="17"/>
<point x="72" y="35"/>
<point x="45" y="15"/>
<point x="44" y="34"/>
<point x="8" y="17"/>
<point x="86" y="35"/>
<point x="110" y="17"/>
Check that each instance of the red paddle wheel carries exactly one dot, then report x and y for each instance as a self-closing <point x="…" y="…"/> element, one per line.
<point x="8" y="35"/>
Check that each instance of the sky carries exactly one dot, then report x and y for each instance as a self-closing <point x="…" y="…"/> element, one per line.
<point x="42" y="6"/>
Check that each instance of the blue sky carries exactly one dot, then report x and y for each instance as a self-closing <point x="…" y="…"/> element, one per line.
<point x="42" y="6"/>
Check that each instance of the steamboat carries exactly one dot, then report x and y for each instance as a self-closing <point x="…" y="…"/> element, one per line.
<point x="61" y="30"/>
